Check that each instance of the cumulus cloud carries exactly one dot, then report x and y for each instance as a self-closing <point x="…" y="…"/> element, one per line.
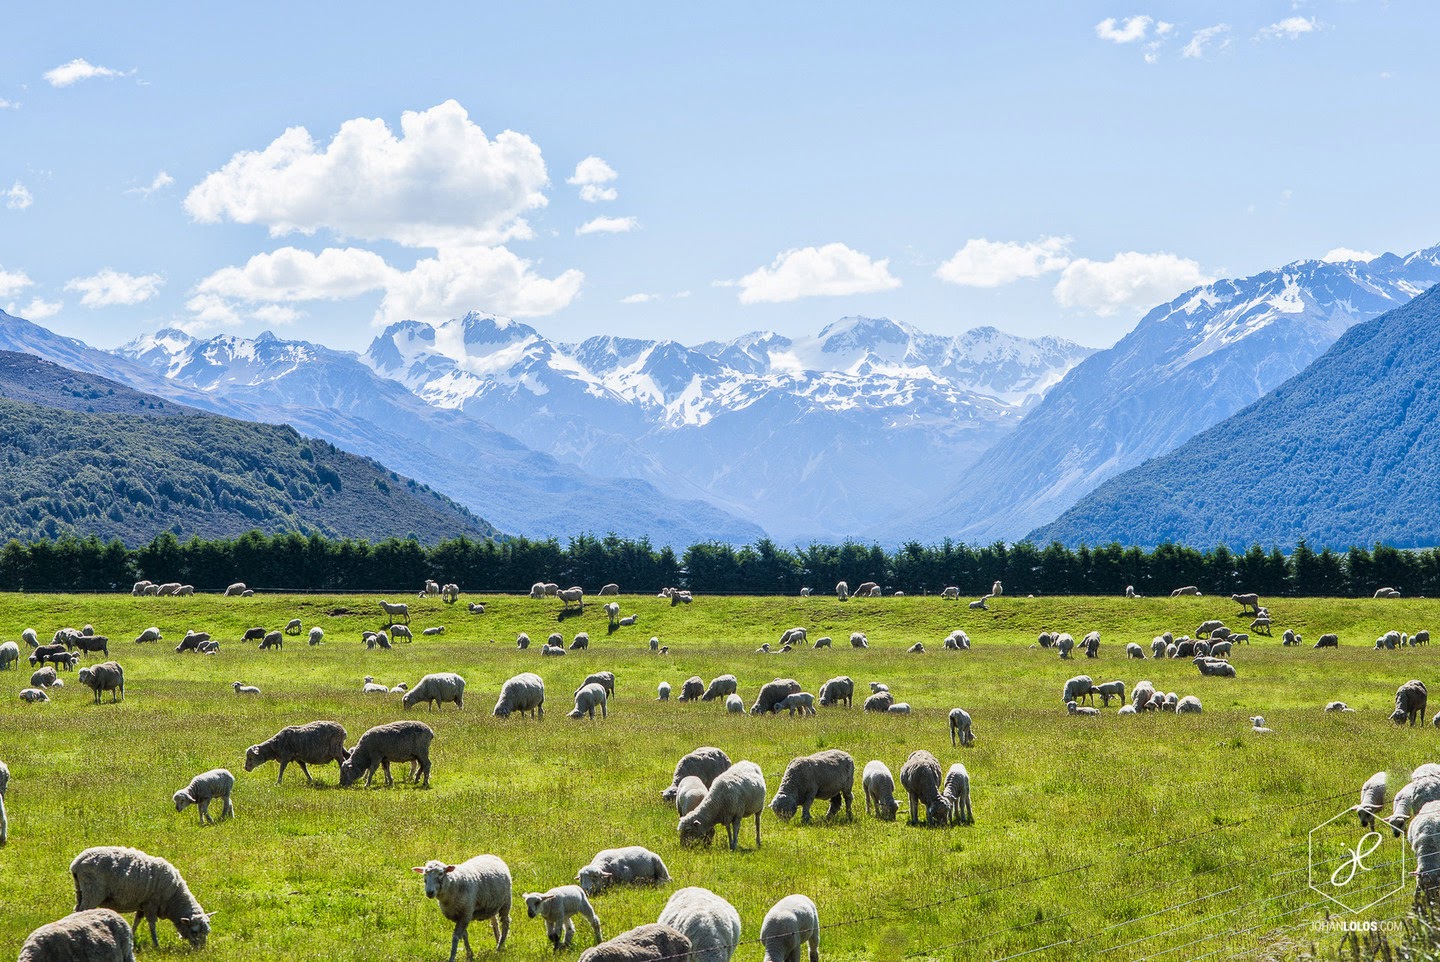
<point x="816" y="271"/>
<point x="590" y="176"/>
<point x="1201" y="40"/>
<point x="13" y="282"/>
<point x="291" y="274"/>
<point x="279" y="314"/>
<point x="1128" y="281"/>
<point x="639" y="298"/>
<point x="1289" y="29"/>
<point x="986" y="263"/>
<point x="209" y="311"/>
<point x="9" y="104"/>
<point x="608" y="225"/>
<point x="442" y="182"/>
<point x="18" y="197"/>
<point x="161" y="181"/>
<point x="77" y="70"/>
<point x="1124" y="31"/>
<point x="113" y="288"/>
<point x="1341" y="255"/>
<point x="36" y="310"/>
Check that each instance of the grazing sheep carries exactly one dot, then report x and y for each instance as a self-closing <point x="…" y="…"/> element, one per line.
<point x="44" y="653"/>
<point x="866" y="590"/>
<point x="1169" y="701"/>
<point x="435" y="690"/>
<point x="30" y="638"/>
<point x="292" y="627"/>
<point x="1158" y="647"/>
<point x="1075" y="709"/>
<point x="43" y="677"/>
<point x="1132" y="650"/>
<point x="693" y="689"/>
<point x="149" y="634"/>
<point x="1046" y="639"/>
<point x="1140" y="697"/>
<point x="957" y="640"/>
<point x="842" y="590"/>
<point x="822" y="642"/>
<point x="95" y="935"/>
<point x="633" y="864"/>
<point x="772" y="694"/>
<point x="273" y="639"/>
<point x="1338" y="706"/>
<point x="794" y="636"/>
<point x="191" y="641"/>
<point x="960" y="728"/>
<point x="92" y="643"/>
<point x="1220" y="648"/>
<point x="581" y="642"/>
<point x="735" y="705"/>
<point x="801" y="701"/>
<point x="1189" y="705"/>
<point x="858" y="640"/>
<point x="243" y="689"/>
<point x="524" y="692"/>
<point x="1290" y="638"/>
<point x="706" y="764"/>
<point x="950" y="593"/>
<point x="604" y="679"/>
<point x="128" y="880"/>
<point x="689" y="794"/>
<point x="722" y="687"/>
<point x="1372" y="800"/>
<point x="827" y="775"/>
<point x="879" y="787"/>
<point x="9" y="655"/>
<point x="106" y="676"/>
<point x="1424" y="838"/>
<point x="318" y="743"/>
<point x="399" y="610"/>
<point x="33" y="695"/>
<point x="216" y="783"/>
<point x="1409" y="703"/>
<point x="790" y="924"/>
<point x="710" y="923"/>
<point x="587" y="699"/>
<point x="1328" y="641"/>
<point x="1208" y="626"/>
<point x="476" y="889"/>
<point x="556" y="907"/>
<point x="1386" y="593"/>
<point x="572" y="595"/>
<point x="1130" y="592"/>
<point x="957" y="794"/>
<point x="522" y="641"/>
<point x="1078" y="688"/>
<point x="879" y="702"/>
<point x="400" y="631"/>
<point x="236" y="590"/>
<point x="920" y="776"/>
<point x="917" y="649"/>
<point x="1065" y="644"/>
<point x="644" y="943"/>
<point x="317" y="635"/>
<point x="475" y="608"/>
<point x="1091" y="644"/>
<point x="662" y="691"/>
<point x="401" y="741"/>
<point x="1421" y="637"/>
<point x="1188" y="590"/>
<point x="736" y="794"/>
<point x="836" y="690"/>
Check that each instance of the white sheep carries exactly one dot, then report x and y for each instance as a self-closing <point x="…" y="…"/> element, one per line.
<point x="899" y="708"/>
<point x="879" y="788"/>
<point x="736" y="794"/>
<point x="827" y="775"/>
<point x="475" y="608"/>
<point x="788" y="926"/>
<point x="243" y="689"/>
<point x="801" y="701"/>
<point x="149" y="634"/>
<point x="1078" y="688"/>
<point x="317" y="635"/>
<point x="627" y="621"/>
<point x="95" y="935"/>
<point x="573" y="595"/>
<point x="710" y="923"/>
<point x="952" y="593"/>
<point x="556" y="907"/>
<point x="1140" y="697"/>
<point x="705" y="763"/>
<point x="1075" y="709"/>
<point x="33" y="695"/>
<point x="393" y="611"/>
<point x="1372" y="799"/>
<point x="804" y="592"/>
<point x="524" y="692"/>
<point x="1108" y="690"/>
<point x="1257" y="724"/>
<point x="400" y="631"/>
<point x="1189" y="705"/>
<point x="689" y="794"/>
<point x="587" y="699"/>
<point x="436" y="630"/>
<point x="401" y="741"/>
<point x="1339" y="706"/>
<point x="662" y="692"/>
<point x="960" y="728"/>
<point x="644" y="943"/>
<point x="478" y="888"/>
<point x="292" y="627"/>
<point x="921" y="779"/>
<point x="1132" y="650"/>
<point x="633" y="864"/>
<point x="372" y="688"/>
<point x="957" y="794"/>
<point x="722" y="686"/>
<point x="9" y="655"/>
<point x="858" y="640"/>
<point x="435" y="690"/>
<point x="735" y="705"/>
<point x="216" y="783"/>
<point x="128" y="880"/>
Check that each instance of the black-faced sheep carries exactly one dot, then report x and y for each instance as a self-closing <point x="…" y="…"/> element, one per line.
<point x="128" y="880"/>
<point x="827" y="775"/>
<point x="736" y="794"/>
<point x="478" y="888"/>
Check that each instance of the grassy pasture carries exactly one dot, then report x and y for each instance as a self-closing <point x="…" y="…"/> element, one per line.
<point x="1115" y="838"/>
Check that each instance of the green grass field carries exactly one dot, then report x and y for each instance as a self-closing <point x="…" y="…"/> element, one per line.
<point x="1152" y="837"/>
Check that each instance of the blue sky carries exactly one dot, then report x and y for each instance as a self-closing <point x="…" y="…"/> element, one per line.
<point x="688" y="171"/>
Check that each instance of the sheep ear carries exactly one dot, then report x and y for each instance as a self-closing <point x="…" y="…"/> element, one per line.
<point x="418" y="868"/>
<point x="609" y="876"/>
<point x="449" y="869"/>
<point x="211" y="915"/>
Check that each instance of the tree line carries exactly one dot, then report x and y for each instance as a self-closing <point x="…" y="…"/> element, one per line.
<point x="295" y="562"/>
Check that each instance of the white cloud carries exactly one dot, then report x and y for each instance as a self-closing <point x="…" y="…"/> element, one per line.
<point x="112" y="288"/>
<point x="161" y="181"/>
<point x="681" y="295"/>
<point x="291" y="274"/>
<point x="441" y="183"/>
<point x="592" y="194"/>
<point x="77" y="70"/>
<point x="9" y="104"/>
<point x="592" y="170"/>
<point x="608" y="225"/>
<point x="1290" y="28"/>
<point x="209" y="311"/>
<point x="1126" y="31"/>
<point x="816" y="271"/>
<point x="279" y="314"/>
<point x="639" y="298"/>
<point x="13" y="282"/>
<point x="1201" y="40"/>
<point x="986" y="263"/>
<point x="1128" y="281"/>
<point x="18" y="197"/>
<point x="1342" y="254"/>
<point x="36" y="310"/>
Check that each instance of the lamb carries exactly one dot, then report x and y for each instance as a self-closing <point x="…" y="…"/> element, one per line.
<point x="633" y="864"/>
<point x="128" y="880"/>
<point x="736" y="794"/>
<point x="33" y="695"/>
<point x="401" y="741"/>
<point x="1330" y="640"/>
<point x="139" y="589"/>
<point x="822" y="642"/>
<point x="735" y="705"/>
<point x="960" y="728"/>
<point x="243" y="689"/>
<point x="1290" y="638"/>
<point x="693" y="689"/>
<point x="9" y="655"/>
<point x="1078" y="688"/>
<point x="399" y="610"/>
<point x="899" y="708"/>
<point x="772" y="694"/>
<point x="475" y="608"/>
<point x="149" y="634"/>
<point x="522" y="641"/>
<point x="1386" y="593"/>
<point x="318" y="743"/>
<point x="1169" y="702"/>
<point x="30" y="638"/>
<point x="689" y="794"/>
<point x="524" y="692"/>
<point x="371" y="688"/>
<point x="1158" y="646"/>
<point x="721" y="687"/>
<point x="662" y="692"/>
<point x="1221" y="648"/>
<point x="1257" y="724"/>
<point x="581" y="642"/>
<point x="867" y="589"/>
<point x="801" y="701"/>
<point x="920" y="777"/>
<point x="435" y="690"/>
<point x="804" y="592"/>
<point x="879" y="787"/>
<point x="1189" y="705"/>
<point x="957" y="794"/>
<point x="879" y="702"/>
<point x="858" y="640"/>
<point x="917" y="649"/>
<point x="476" y="889"/>
<point x="789" y="925"/>
<point x="612" y="612"/>
<point x="829" y="774"/>
<point x="1133" y="650"/>
<point x="537" y="590"/>
<point x="1130" y="592"/>
<point x="838" y="689"/>
<point x="273" y="639"/>
<point x="216" y="783"/>
<point x="106" y="676"/>
<point x="292" y="627"/>
<point x="1338" y="706"/>
<point x="710" y="923"/>
<point x="1187" y="591"/>
<point x="951" y="593"/>
<point x="1409" y="703"/>
<point x="681" y="598"/>
<point x="706" y="764"/>
<point x="644" y="943"/>
<point x="627" y="621"/>
<point x="979" y="605"/>
<point x="573" y="595"/>
<point x="449" y="593"/>
<point x="556" y="907"/>
<point x="1075" y="709"/>
<point x="95" y="935"/>
<point x="587" y="699"/>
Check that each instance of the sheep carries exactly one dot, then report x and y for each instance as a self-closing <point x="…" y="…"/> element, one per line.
<point x="721" y="687"/>
<point x="879" y="702"/>
<point x="1140" y="697"/>
<point x="191" y="641"/>
<point x="794" y="636"/>
<point x="1169" y="701"/>
<point x="710" y="923"/>
<point x="920" y="776"/>
<point x="30" y="638"/>
<point x="1423" y="787"/>
<point x="400" y="689"/>
<point x="95" y="935"/>
<point x="149" y="634"/>
<point x="772" y="693"/>
<point x="581" y="642"/>
<point x="399" y="610"/>
<point x="537" y="590"/>
<point x="611" y="589"/>
<point x="1249" y="603"/>
<point x="605" y="679"/>
<point x="522" y="641"/>
<point x="1130" y="592"/>
<point x="449" y="593"/>
<point x="1158" y="646"/>
<point x="899" y="708"/>
<point x="1065" y="644"/>
<point x="48" y="653"/>
<point x="681" y="598"/>
<point x="1424" y="838"/>
<point x="92" y="643"/>
<point x="1330" y="640"/>
<point x="879" y="788"/>
<point x="693" y="689"/>
<point x="957" y="640"/>
<point x="128" y="880"/>
<point x="662" y="692"/>
<point x="371" y="688"/>
<point x="216" y="783"/>
<point x="293" y="626"/>
<point x="400" y="631"/>
<point x="476" y="889"/>
<point x="1078" y="688"/>
<point x="633" y="864"/>
<point x="151" y="591"/>
<point x="822" y="642"/>
<point x="1208" y="626"/>
<point x="587" y="699"/>
<point x="475" y="608"/>
<point x="827" y="775"/>
<point x="1132" y="650"/>
<point x="573" y="595"/>
<point x="788" y="926"/>
<point x="1421" y="637"/>
<point x="1215" y="667"/>
<point x="736" y="794"/>
<point x="106" y="676"/>
<point x="735" y="705"/>
<point x="960" y="729"/>
<point x="318" y="743"/>
<point x="435" y="690"/>
<point x="979" y="605"/>
<point x="916" y="649"/>
<point x="1338" y="706"/>
<point x="801" y="701"/>
<point x="1386" y="593"/>
<point x="524" y="692"/>
<point x="1257" y="724"/>
<point x="1091" y="644"/>
<point x="1290" y="638"/>
<point x="1220" y="648"/>
<point x="556" y="907"/>
<point x="867" y="589"/>
<point x="689" y="794"/>
<point x="1075" y="709"/>
<point x="43" y="677"/>
<point x="858" y="640"/>
<point x="838" y="689"/>
<point x="243" y="689"/>
<point x="236" y="590"/>
<point x="957" y="794"/>
<point x="764" y="649"/>
<point x="139" y="589"/>
<point x="1189" y="705"/>
<point x="1409" y="703"/>
<point x="1188" y="590"/>
<point x="706" y="764"/>
<point x="9" y="655"/>
<point x="33" y="695"/>
<point x="1127" y="710"/>
<point x="644" y="943"/>
<point x="401" y="741"/>
<point x="627" y="621"/>
<point x="273" y="639"/>
<point x="842" y="590"/>
<point x="612" y="612"/>
<point x="1372" y="799"/>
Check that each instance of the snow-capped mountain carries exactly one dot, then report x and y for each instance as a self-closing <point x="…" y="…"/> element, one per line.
<point x="813" y="437"/>
<point x="1189" y="364"/>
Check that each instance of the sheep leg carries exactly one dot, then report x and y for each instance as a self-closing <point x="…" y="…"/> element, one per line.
<point x="569" y="934"/>
<point x="390" y="782"/>
<point x="229" y="810"/>
<point x="150" y="916"/>
<point x="501" y="921"/>
<point x="757" y="830"/>
<point x="425" y="771"/>
<point x="815" y="947"/>
<point x="732" y="830"/>
<point x="455" y="939"/>
<point x="848" y="796"/>
<point x="594" y="921"/>
<point x="914" y="809"/>
<point x="204" y="808"/>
